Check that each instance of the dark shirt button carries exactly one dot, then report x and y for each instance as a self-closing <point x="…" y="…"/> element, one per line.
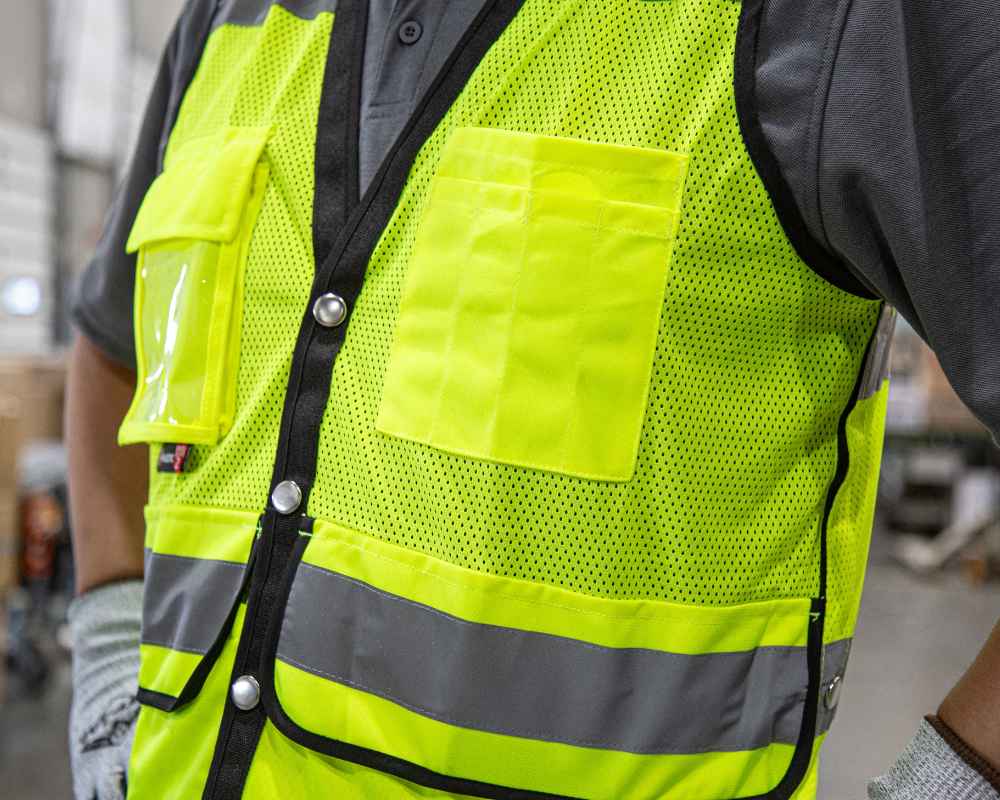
<point x="410" y="31"/>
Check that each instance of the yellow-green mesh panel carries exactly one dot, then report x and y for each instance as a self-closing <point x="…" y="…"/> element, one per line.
<point x="852" y="513"/>
<point x="271" y="74"/>
<point x="756" y="355"/>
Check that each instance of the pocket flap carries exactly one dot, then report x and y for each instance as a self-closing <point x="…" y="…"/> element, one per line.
<point x="428" y="663"/>
<point x="203" y="189"/>
<point x="197" y="561"/>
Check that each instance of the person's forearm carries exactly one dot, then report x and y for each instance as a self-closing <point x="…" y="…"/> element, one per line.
<point x="108" y="483"/>
<point x="972" y="708"/>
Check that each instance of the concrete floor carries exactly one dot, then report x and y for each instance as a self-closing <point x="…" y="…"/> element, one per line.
<point x="914" y="639"/>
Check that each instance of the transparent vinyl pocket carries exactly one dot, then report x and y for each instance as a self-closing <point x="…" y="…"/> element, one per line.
<point x="192" y="234"/>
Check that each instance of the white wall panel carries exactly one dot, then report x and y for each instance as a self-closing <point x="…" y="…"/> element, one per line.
<point x="26" y="234"/>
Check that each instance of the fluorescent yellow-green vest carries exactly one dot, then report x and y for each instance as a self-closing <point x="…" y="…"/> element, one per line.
<point x="544" y="469"/>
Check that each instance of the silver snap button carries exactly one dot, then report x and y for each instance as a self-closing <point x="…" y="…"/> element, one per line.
<point x="286" y="497"/>
<point x="832" y="694"/>
<point x="410" y="31"/>
<point x="245" y="692"/>
<point x="330" y="310"/>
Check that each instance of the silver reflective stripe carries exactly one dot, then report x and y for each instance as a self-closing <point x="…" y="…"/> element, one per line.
<point x="876" y="368"/>
<point x="835" y="658"/>
<point x="539" y="686"/>
<point x="251" y="13"/>
<point x="186" y="600"/>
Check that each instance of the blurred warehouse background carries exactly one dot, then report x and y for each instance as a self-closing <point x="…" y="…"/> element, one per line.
<point x="74" y="75"/>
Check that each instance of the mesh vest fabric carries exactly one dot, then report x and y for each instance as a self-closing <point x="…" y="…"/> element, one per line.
<point x="756" y="357"/>
<point x="253" y="76"/>
<point x="755" y="362"/>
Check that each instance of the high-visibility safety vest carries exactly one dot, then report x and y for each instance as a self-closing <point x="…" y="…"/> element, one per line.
<point x="544" y="469"/>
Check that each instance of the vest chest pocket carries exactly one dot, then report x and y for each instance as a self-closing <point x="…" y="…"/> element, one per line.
<point x="528" y="322"/>
<point x="192" y="234"/>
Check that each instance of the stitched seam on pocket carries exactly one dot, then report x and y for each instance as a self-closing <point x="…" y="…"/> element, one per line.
<point x="744" y="614"/>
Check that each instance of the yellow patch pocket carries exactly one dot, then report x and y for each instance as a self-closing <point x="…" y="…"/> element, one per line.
<point x="528" y="322"/>
<point x="192" y="234"/>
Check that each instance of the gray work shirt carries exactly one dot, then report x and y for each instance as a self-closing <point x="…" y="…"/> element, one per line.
<point x="406" y="44"/>
<point x="881" y="121"/>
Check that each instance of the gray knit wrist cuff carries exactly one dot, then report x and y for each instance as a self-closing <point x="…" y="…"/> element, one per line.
<point x="105" y="624"/>
<point x="110" y="602"/>
<point x="930" y="770"/>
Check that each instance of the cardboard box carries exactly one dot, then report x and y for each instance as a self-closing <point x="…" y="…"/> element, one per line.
<point x="9" y="443"/>
<point x="945" y="410"/>
<point x="921" y="400"/>
<point x="10" y="543"/>
<point x="35" y="386"/>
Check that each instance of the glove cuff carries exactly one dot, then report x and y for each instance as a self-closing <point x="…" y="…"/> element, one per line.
<point x="113" y="603"/>
<point x="105" y="625"/>
<point x="966" y="753"/>
<point x="930" y="769"/>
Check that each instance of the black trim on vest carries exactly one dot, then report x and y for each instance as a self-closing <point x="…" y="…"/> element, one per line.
<point x="802" y="757"/>
<point x="239" y="730"/>
<point x="815" y="255"/>
<point x="342" y="271"/>
<point x="336" y="178"/>
<point x="336" y="168"/>
<point x="160" y="700"/>
<point x="843" y="454"/>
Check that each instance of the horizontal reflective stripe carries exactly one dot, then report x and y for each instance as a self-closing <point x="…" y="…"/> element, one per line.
<point x="253" y="12"/>
<point x="186" y="600"/>
<point x="648" y="624"/>
<point x="540" y="686"/>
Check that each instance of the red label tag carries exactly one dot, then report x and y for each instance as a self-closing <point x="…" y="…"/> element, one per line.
<point x="173" y="458"/>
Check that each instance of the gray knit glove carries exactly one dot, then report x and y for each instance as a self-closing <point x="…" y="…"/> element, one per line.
<point x="105" y="626"/>
<point x="930" y="770"/>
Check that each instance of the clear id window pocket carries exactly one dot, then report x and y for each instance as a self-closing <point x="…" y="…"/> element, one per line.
<point x="192" y="234"/>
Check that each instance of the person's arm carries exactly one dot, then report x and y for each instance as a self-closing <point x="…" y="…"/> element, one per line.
<point x="884" y="119"/>
<point x="108" y="487"/>
<point x="909" y="173"/>
<point x="972" y="708"/>
<point x="108" y="483"/>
